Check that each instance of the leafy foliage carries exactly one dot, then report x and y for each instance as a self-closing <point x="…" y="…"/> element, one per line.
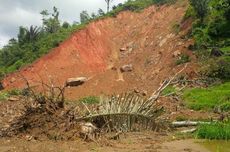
<point x="200" y="7"/>
<point x="213" y="25"/>
<point x="84" y="17"/>
<point x="217" y="68"/>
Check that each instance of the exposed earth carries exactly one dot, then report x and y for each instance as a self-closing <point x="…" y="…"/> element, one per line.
<point x="144" y="40"/>
<point x="147" y="43"/>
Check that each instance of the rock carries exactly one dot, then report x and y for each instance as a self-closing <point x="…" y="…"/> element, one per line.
<point x="176" y="53"/>
<point x="73" y="82"/>
<point x="127" y="68"/>
<point x="122" y="49"/>
<point x="215" y="52"/>
<point x="12" y="80"/>
<point x="136" y="90"/>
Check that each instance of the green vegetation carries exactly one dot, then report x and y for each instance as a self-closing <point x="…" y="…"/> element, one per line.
<point x="168" y="90"/>
<point x="208" y="98"/>
<point x="211" y="23"/>
<point x="217" y="130"/>
<point x="4" y="95"/>
<point x="90" y="100"/>
<point x="217" y="68"/>
<point x="184" y="58"/>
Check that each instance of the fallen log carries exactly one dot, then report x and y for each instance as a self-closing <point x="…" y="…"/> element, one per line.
<point x="178" y="124"/>
<point x="189" y="130"/>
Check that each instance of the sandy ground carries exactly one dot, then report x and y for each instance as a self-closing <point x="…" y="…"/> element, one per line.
<point x="135" y="142"/>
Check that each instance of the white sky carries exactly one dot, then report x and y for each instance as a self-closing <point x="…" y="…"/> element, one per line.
<point x="15" y="13"/>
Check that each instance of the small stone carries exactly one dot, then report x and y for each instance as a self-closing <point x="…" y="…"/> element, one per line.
<point x="136" y="90"/>
<point x="176" y="53"/>
<point x="122" y="49"/>
<point x="12" y="80"/>
<point x="127" y="68"/>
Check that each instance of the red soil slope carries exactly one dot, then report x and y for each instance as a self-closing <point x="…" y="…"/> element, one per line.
<point x="94" y="52"/>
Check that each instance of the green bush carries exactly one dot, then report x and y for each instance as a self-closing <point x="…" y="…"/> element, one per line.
<point x="90" y="100"/>
<point x="217" y="131"/>
<point x="217" y="68"/>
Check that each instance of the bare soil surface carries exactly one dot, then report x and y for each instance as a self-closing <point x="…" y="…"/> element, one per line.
<point x="135" y="142"/>
<point x="150" y="45"/>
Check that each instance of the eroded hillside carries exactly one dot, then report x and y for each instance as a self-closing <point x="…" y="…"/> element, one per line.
<point x="144" y="40"/>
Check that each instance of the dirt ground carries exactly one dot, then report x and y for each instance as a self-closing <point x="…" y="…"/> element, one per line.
<point x="135" y="142"/>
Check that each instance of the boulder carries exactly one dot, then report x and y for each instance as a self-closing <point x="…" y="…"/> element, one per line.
<point x="127" y="68"/>
<point x="215" y="52"/>
<point x="73" y="82"/>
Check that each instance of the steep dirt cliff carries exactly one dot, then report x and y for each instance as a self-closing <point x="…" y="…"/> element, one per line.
<point x="148" y="43"/>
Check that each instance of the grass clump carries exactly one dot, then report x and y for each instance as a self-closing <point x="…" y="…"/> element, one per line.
<point x="184" y="58"/>
<point x="4" y="95"/>
<point x="168" y="90"/>
<point x="90" y="100"/>
<point x="208" y="98"/>
<point x="217" y="130"/>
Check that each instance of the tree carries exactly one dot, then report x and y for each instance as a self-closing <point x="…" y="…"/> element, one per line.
<point x="28" y="35"/>
<point x="200" y="7"/>
<point x="101" y="12"/>
<point x="51" y="23"/>
<point x="93" y="16"/>
<point x="84" y="17"/>
<point x="66" y="25"/>
<point x="33" y="33"/>
<point x="108" y="2"/>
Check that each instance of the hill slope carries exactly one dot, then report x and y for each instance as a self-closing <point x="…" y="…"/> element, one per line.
<point x="94" y="52"/>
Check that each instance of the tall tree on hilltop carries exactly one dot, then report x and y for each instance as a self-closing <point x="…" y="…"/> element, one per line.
<point x="108" y="2"/>
<point x="51" y="24"/>
<point x="84" y="17"/>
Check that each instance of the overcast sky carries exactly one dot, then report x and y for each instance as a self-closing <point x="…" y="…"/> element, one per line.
<point x="14" y="13"/>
